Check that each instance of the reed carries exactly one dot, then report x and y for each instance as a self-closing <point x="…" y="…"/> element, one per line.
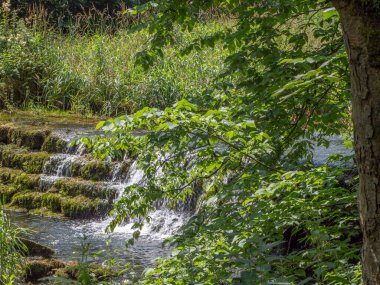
<point x="90" y="68"/>
<point x="11" y="261"/>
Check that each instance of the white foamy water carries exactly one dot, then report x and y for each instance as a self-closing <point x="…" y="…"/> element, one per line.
<point x="60" y="164"/>
<point x="163" y="222"/>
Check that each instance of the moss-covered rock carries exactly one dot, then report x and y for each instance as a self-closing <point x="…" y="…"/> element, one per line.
<point x="32" y="248"/>
<point x="81" y="207"/>
<point x="27" y="200"/>
<point x="32" y="138"/>
<point x="22" y="158"/>
<point x="74" y="269"/>
<point x="75" y="168"/>
<point x="55" y="204"/>
<point x="45" y="212"/>
<point x="96" y="170"/>
<point x="51" y="201"/>
<point x="54" y="144"/>
<point x="18" y="178"/>
<point x="38" y="268"/>
<point x="6" y="193"/>
<point x="75" y="186"/>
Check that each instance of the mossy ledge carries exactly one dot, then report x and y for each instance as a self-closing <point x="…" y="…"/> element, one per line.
<point x="6" y="193"/>
<point x="32" y="137"/>
<point x="75" y="186"/>
<point x="19" y="179"/>
<point x="78" y="207"/>
<point x="67" y="197"/>
<point x="54" y="144"/>
<point x="38" y="267"/>
<point x="22" y="158"/>
<point x="95" y="170"/>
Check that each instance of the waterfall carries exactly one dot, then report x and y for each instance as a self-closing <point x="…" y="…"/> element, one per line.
<point x="164" y="221"/>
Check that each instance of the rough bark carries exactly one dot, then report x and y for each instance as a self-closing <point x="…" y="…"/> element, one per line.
<point x="361" y="27"/>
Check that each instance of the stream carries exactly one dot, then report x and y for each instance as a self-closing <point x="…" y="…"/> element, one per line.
<point x="65" y="236"/>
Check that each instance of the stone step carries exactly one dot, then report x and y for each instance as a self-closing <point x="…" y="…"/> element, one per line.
<point x="77" y="207"/>
<point x="19" y="179"/>
<point x="22" y="158"/>
<point x="69" y="186"/>
<point x="33" y="137"/>
<point x="76" y="186"/>
<point x="86" y="167"/>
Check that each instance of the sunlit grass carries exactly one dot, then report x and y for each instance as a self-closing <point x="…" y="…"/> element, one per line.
<point x="96" y="73"/>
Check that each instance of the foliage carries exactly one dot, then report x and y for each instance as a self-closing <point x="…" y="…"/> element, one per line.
<point x="11" y="264"/>
<point x="21" y="63"/>
<point x="95" y="73"/>
<point x="62" y="14"/>
<point x="267" y="215"/>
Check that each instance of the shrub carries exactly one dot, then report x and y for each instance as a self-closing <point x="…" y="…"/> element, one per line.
<point x="21" y="65"/>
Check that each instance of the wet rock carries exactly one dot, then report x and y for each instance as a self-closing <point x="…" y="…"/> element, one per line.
<point x="95" y="170"/>
<point x="19" y="179"/>
<point x="81" y="207"/>
<point x="32" y="248"/>
<point x="31" y="138"/>
<point x="38" y="267"/>
<point x="6" y="193"/>
<point x="22" y="158"/>
<point x="53" y="144"/>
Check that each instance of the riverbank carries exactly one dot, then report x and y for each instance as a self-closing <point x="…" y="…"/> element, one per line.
<point x="62" y="196"/>
<point x="44" y="117"/>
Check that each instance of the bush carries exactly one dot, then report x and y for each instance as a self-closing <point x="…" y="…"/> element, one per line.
<point x="22" y="65"/>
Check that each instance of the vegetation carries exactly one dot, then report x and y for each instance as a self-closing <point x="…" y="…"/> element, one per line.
<point x="232" y="108"/>
<point x="11" y="264"/>
<point x="95" y="73"/>
<point x="21" y="168"/>
<point x="269" y="214"/>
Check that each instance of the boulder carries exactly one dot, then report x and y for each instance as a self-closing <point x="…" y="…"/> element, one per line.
<point x="33" y="248"/>
<point x="38" y="267"/>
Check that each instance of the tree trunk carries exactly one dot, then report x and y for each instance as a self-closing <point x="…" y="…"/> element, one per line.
<point x="361" y="27"/>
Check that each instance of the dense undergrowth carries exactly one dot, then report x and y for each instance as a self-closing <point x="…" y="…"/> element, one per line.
<point x="236" y="116"/>
<point x="94" y="73"/>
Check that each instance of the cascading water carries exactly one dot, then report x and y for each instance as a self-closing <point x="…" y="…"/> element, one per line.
<point x="164" y="222"/>
<point x="66" y="235"/>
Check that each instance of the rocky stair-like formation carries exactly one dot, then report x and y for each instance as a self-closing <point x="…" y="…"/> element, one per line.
<point x="40" y="173"/>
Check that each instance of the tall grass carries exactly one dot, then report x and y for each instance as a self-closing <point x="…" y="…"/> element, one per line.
<point x="11" y="262"/>
<point x="94" y="72"/>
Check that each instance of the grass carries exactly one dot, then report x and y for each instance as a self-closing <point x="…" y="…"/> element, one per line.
<point x="95" y="74"/>
<point x="11" y="264"/>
